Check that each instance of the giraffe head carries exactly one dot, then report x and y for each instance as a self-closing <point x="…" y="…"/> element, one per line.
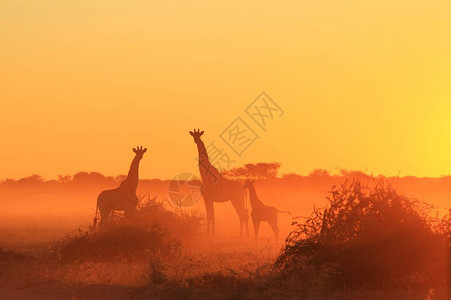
<point x="248" y="183"/>
<point x="139" y="151"/>
<point x="196" y="135"/>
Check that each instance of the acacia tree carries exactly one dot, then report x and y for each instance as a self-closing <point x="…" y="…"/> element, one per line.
<point x="254" y="171"/>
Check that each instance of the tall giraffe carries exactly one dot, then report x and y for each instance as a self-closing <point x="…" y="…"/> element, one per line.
<point x="124" y="197"/>
<point x="216" y="188"/>
<point x="261" y="212"/>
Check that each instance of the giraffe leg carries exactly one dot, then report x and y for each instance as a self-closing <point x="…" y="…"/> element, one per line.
<point x="242" y="212"/>
<point x="246" y="221"/>
<point x="128" y="212"/>
<point x="210" y="216"/>
<point x="273" y="224"/>
<point x="103" y="212"/>
<point x="256" y="227"/>
<point x="130" y="208"/>
<point x="275" y="229"/>
<point x="241" y="228"/>
<point x="104" y="216"/>
<point x="213" y="230"/>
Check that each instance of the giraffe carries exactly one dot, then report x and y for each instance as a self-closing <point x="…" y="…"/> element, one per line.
<point x="261" y="212"/>
<point x="121" y="198"/>
<point x="216" y="188"/>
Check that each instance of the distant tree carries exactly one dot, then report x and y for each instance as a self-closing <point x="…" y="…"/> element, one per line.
<point x="319" y="173"/>
<point x="120" y="178"/>
<point x="90" y="179"/>
<point x="354" y="174"/>
<point x="255" y="171"/>
<point x="33" y="179"/>
<point x="64" y="178"/>
<point x="291" y="176"/>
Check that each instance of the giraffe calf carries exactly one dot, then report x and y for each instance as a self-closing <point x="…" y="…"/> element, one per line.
<point x="261" y="212"/>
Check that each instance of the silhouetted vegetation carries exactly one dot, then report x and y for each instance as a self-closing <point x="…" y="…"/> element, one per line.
<point x="153" y="229"/>
<point x="182" y="224"/>
<point x="8" y="256"/>
<point x="254" y="171"/>
<point x="369" y="236"/>
<point x="116" y="243"/>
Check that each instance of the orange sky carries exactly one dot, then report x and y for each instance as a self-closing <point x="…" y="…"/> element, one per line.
<point x="364" y="85"/>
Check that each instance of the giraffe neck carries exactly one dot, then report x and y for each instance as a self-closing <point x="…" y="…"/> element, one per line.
<point x="131" y="182"/>
<point x="253" y="199"/>
<point x="207" y="171"/>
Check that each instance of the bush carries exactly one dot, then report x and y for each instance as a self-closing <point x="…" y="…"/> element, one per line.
<point x="153" y="229"/>
<point x="182" y="224"/>
<point x="115" y="243"/>
<point x="368" y="236"/>
<point x="8" y="256"/>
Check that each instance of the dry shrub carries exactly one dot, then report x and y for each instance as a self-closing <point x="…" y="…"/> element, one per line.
<point x="182" y="224"/>
<point x="153" y="229"/>
<point x="8" y="256"/>
<point x="117" y="242"/>
<point x="369" y="236"/>
<point x="444" y="225"/>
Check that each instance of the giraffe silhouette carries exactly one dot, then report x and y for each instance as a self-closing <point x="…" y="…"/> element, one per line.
<point x="261" y="212"/>
<point x="216" y="188"/>
<point x="124" y="197"/>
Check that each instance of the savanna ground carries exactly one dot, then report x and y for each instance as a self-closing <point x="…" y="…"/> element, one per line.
<point x="372" y="242"/>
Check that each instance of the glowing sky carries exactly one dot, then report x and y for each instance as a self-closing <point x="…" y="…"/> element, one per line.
<point x="363" y="84"/>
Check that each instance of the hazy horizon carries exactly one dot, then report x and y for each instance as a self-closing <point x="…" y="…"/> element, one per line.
<point x="334" y="172"/>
